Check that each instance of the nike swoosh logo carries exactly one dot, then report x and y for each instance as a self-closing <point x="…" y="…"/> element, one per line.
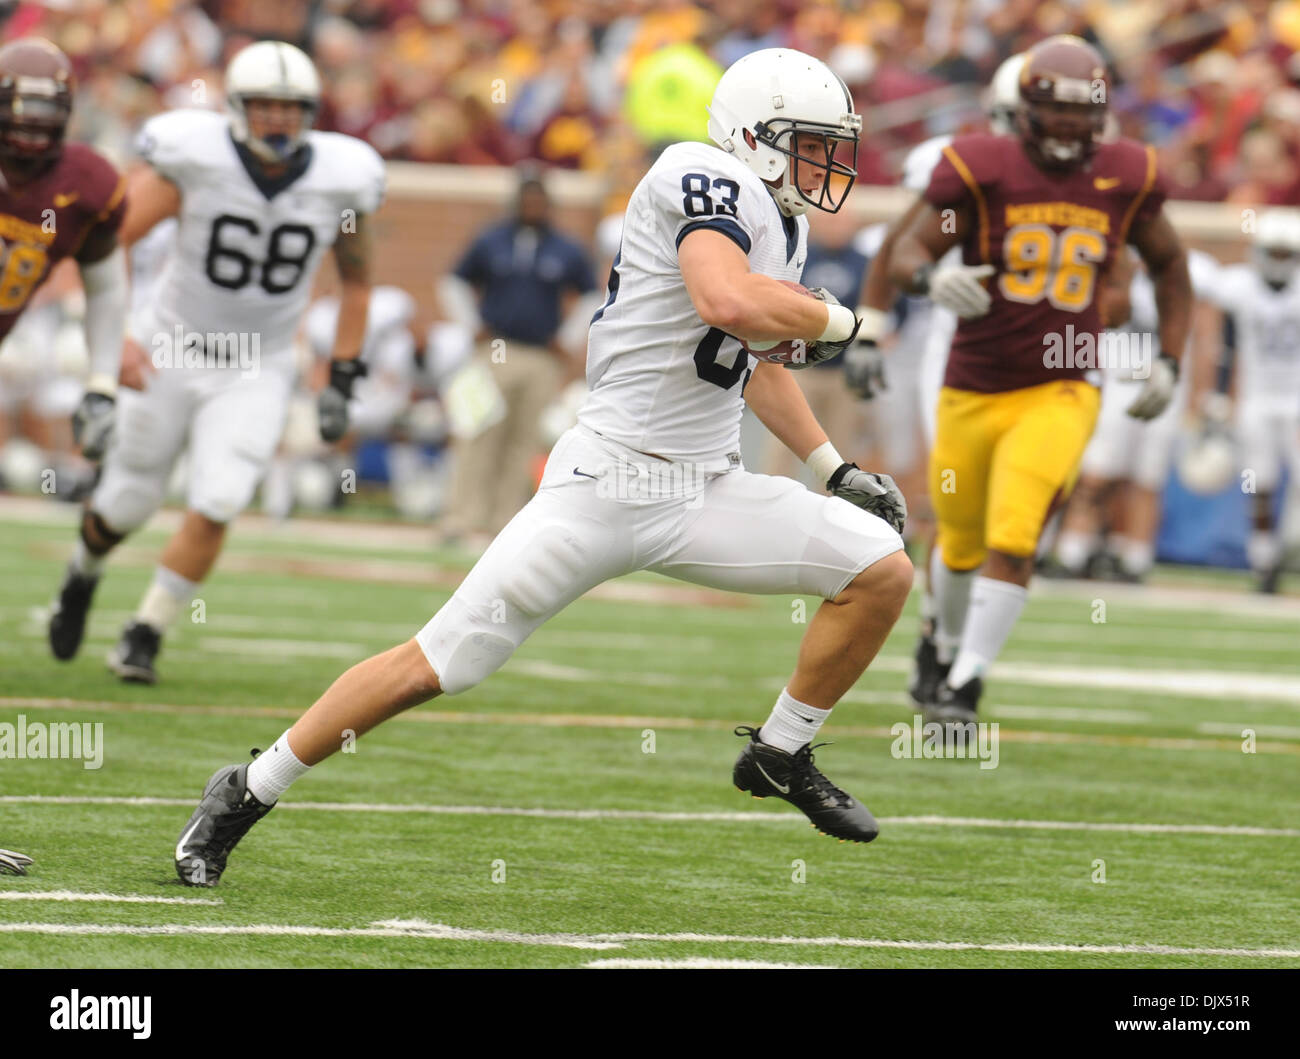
<point x="783" y="790"/>
<point x="66" y="200"/>
<point x="585" y="474"/>
<point x="180" y="845"/>
<point x="1105" y="183"/>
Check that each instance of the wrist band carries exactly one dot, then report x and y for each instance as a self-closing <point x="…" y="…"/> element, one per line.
<point x="840" y="323"/>
<point x="824" y="461"/>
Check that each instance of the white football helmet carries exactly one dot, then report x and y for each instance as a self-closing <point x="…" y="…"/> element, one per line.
<point x="775" y="94"/>
<point x="271" y="69"/>
<point x="1276" y="249"/>
<point x="1002" y="98"/>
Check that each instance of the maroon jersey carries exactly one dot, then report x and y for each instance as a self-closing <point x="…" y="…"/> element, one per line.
<point x="48" y="219"/>
<point x="1051" y="236"/>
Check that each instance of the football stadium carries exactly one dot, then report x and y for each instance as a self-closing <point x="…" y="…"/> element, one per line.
<point x="380" y="381"/>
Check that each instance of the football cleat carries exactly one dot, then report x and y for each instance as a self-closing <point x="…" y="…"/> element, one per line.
<point x="955" y="706"/>
<point x="68" y="619"/>
<point x="928" y="672"/>
<point x="223" y="817"/>
<point x="1270" y="580"/>
<point x="765" y="771"/>
<point x="132" y="658"/>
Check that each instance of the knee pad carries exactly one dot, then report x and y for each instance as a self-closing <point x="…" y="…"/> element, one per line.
<point x="125" y="500"/>
<point x="462" y="649"/>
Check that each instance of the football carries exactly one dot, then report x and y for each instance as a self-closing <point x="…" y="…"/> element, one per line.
<point x="781" y="352"/>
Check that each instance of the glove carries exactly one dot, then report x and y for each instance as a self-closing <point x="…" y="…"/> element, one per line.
<point x="874" y="493"/>
<point x="864" y="370"/>
<point x="12" y="863"/>
<point x="816" y="352"/>
<point x="1159" y="389"/>
<point x="332" y="406"/>
<point x="92" y="424"/>
<point x="958" y="289"/>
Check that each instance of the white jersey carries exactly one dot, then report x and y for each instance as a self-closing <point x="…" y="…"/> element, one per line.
<point x="1268" y="337"/>
<point x="661" y="380"/>
<point x="247" y="249"/>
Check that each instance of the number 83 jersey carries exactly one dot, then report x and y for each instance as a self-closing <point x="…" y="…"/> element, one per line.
<point x="247" y="246"/>
<point x="661" y="380"/>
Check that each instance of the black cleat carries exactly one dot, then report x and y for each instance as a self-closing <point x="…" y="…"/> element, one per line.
<point x="132" y="658"/>
<point x="765" y="770"/>
<point x="955" y="706"/>
<point x="12" y="863"/>
<point x="223" y="817"/>
<point x="928" y="673"/>
<point x="68" y="619"/>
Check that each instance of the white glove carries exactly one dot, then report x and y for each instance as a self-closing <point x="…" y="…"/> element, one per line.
<point x="92" y="424"/>
<point x="958" y="288"/>
<point x="876" y="494"/>
<point x="1158" y="391"/>
<point x="864" y="369"/>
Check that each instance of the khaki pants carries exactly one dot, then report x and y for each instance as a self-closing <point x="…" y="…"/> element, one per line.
<point x="492" y="474"/>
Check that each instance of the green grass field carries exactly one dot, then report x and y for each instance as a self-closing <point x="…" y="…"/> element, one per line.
<point x="523" y="824"/>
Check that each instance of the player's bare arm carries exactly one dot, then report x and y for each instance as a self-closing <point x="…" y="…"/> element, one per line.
<point x="1115" y="302"/>
<point x="352" y="252"/>
<point x="352" y="255"/>
<point x="774" y="395"/>
<point x="150" y="199"/>
<point x="878" y="286"/>
<point x="925" y="237"/>
<point x="1166" y="260"/>
<point x="746" y="304"/>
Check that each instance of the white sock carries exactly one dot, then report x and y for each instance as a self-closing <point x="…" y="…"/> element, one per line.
<point x="85" y="563"/>
<point x="1073" y="549"/>
<point x="995" y="608"/>
<point x="166" y="597"/>
<point x="951" y="590"/>
<point x="1262" y="550"/>
<point x="793" y="724"/>
<point x="272" y="771"/>
<point x="1135" y="556"/>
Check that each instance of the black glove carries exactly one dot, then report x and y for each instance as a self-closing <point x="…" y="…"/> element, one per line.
<point x="874" y="493"/>
<point x="332" y="406"/>
<point x="12" y="863"/>
<point x="92" y="424"/>
<point x="816" y="352"/>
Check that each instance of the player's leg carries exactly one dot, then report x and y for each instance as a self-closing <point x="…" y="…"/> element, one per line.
<point x="1263" y="446"/>
<point x="967" y="429"/>
<point x="1034" y="467"/>
<point x="1134" y="537"/>
<point x="150" y="433"/>
<point x="567" y="539"/>
<point x="530" y="380"/>
<point x="236" y="426"/>
<point x="761" y="534"/>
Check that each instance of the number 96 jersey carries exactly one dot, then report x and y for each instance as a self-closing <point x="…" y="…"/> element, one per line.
<point x="247" y="246"/>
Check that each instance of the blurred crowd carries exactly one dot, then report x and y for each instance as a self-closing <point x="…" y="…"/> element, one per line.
<point x="594" y="84"/>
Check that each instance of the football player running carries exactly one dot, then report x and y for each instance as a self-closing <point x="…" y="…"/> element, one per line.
<point x="1262" y="299"/>
<point x="1039" y="218"/>
<point x="932" y="333"/>
<point x="60" y="200"/>
<point x="651" y="477"/>
<point x="259" y="197"/>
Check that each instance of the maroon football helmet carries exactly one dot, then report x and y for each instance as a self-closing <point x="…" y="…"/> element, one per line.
<point x="36" y="88"/>
<point x="1064" y="95"/>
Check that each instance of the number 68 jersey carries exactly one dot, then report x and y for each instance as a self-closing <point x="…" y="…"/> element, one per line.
<point x="661" y="380"/>
<point x="247" y="246"/>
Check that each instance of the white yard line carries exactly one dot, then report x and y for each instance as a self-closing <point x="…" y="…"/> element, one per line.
<point x="617" y="721"/>
<point x="124" y="899"/>
<point x="423" y="930"/>
<point x="755" y="817"/>
<point x="701" y="963"/>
